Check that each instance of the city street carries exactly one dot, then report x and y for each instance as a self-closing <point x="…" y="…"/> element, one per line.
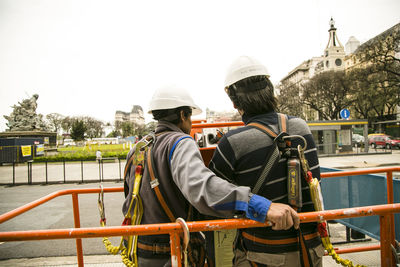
<point x="58" y="214"/>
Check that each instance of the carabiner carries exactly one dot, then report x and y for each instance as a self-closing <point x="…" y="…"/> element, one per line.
<point x="100" y="203"/>
<point x="297" y="136"/>
<point x="186" y="238"/>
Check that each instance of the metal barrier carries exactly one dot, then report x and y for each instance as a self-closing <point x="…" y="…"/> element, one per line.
<point x="48" y="172"/>
<point x="385" y="213"/>
<point x="360" y="188"/>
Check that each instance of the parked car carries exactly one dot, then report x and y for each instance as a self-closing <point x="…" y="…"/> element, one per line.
<point x="384" y="140"/>
<point x="357" y="140"/>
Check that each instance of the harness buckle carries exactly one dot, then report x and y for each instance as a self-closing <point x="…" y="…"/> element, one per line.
<point x="154" y="183"/>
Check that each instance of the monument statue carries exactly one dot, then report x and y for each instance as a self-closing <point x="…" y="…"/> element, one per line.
<point x="24" y="117"/>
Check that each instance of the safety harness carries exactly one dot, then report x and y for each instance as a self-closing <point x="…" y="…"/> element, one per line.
<point x="193" y="244"/>
<point x="296" y="162"/>
<point x="192" y="241"/>
<point x="129" y="248"/>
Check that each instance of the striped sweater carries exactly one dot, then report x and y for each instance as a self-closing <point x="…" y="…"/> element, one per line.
<point x="240" y="156"/>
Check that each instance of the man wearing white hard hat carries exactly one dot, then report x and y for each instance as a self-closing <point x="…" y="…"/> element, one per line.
<point x="258" y="155"/>
<point x="184" y="181"/>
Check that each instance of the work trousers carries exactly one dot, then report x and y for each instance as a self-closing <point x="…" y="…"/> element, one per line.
<point x="154" y="262"/>
<point x="292" y="259"/>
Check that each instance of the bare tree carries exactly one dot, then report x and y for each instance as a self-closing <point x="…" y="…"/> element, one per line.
<point x="383" y="52"/>
<point x="289" y="100"/>
<point x="327" y="93"/>
<point x="55" y="121"/>
<point x="94" y="127"/>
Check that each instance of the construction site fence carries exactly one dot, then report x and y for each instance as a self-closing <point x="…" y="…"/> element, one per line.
<point x="385" y="213"/>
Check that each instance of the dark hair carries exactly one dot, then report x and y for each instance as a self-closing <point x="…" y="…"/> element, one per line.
<point x="254" y="95"/>
<point x="172" y="115"/>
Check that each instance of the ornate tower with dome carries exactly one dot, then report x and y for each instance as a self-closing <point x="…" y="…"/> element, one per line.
<point x="334" y="52"/>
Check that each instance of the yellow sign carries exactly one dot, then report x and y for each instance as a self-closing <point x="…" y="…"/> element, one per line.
<point x="26" y="151"/>
<point x="40" y="149"/>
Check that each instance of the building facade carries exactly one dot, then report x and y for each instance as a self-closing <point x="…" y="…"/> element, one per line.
<point x="136" y="116"/>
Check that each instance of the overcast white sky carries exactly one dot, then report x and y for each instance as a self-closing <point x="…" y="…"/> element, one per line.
<point x="91" y="58"/>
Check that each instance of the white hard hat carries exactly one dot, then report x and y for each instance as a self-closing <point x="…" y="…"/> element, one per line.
<point x="170" y="97"/>
<point x="242" y="68"/>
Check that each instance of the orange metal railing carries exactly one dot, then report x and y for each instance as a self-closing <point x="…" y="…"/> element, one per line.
<point x="385" y="213"/>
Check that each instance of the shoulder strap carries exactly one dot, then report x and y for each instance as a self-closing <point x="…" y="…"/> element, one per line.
<point x="273" y="156"/>
<point x="264" y="128"/>
<point x="282" y="126"/>
<point x="154" y="185"/>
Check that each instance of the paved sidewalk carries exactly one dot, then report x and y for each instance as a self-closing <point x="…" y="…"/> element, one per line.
<point x="364" y="161"/>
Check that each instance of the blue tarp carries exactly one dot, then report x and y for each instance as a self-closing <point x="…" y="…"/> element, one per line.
<point x="358" y="191"/>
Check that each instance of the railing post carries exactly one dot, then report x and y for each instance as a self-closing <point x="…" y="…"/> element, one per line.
<point x="64" y="169"/>
<point x="27" y="164"/>
<point x="99" y="171"/>
<point x="46" y="172"/>
<point x="29" y="172"/>
<point x="119" y="164"/>
<point x="77" y="224"/>
<point x="175" y="249"/>
<point x="102" y="171"/>
<point x="13" y="172"/>
<point x="386" y="251"/>
<point x="82" y="170"/>
<point x="390" y="199"/>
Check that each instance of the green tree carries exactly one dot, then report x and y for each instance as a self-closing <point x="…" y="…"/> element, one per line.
<point x="126" y="128"/>
<point x="114" y="133"/>
<point x="78" y="129"/>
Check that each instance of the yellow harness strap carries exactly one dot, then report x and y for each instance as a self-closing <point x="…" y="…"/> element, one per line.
<point x="135" y="205"/>
<point x="316" y="197"/>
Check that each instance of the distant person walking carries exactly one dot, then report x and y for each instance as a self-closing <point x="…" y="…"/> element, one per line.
<point x="98" y="156"/>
